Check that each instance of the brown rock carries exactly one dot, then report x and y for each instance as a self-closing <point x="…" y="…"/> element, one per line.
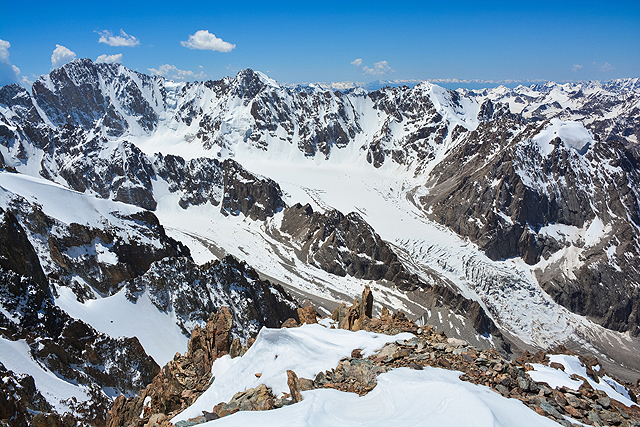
<point x="556" y="365"/>
<point x="259" y="398"/>
<point x="158" y="420"/>
<point x="367" y="303"/>
<point x="572" y="400"/>
<point x="444" y="363"/>
<point x="236" y="348"/>
<point x="559" y="398"/>
<point x="224" y="321"/>
<point x="349" y="319"/>
<point x="294" y="386"/>
<point x="307" y="313"/>
<point x="572" y="411"/>
<point x="339" y="313"/>
<point x="306" y="384"/>
<point x="290" y="323"/>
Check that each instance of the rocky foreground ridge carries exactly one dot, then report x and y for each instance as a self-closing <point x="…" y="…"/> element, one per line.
<point x="187" y="376"/>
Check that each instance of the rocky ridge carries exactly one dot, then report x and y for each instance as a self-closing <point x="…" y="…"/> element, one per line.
<point x="190" y="291"/>
<point x="356" y="374"/>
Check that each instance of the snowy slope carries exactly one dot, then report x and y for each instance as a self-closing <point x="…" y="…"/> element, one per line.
<point x="117" y="316"/>
<point x="16" y="356"/>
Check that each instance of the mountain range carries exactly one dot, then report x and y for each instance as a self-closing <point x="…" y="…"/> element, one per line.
<point x="134" y="206"/>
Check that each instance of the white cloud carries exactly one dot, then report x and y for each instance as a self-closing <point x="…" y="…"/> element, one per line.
<point x="61" y="55"/>
<point x="379" y="68"/>
<point x="9" y="73"/>
<point x="110" y="59"/>
<point x="604" y="67"/>
<point x="123" y="39"/>
<point x="357" y="62"/>
<point x="204" y="40"/>
<point x="4" y="50"/>
<point x="174" y="73"/>
<point x="576" y="67"/>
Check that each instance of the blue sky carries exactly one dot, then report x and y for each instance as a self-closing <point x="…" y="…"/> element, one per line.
<point x="331" y="41"/>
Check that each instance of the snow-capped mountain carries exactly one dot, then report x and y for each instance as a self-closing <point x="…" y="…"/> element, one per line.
<point x="507" y="216"/>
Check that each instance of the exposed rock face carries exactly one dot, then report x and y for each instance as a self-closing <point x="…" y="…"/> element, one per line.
<point x="191" y="291"/>
<point x="343" y="245"/>
<point x="19" y="400"/>
<point x="199" y="180"/>
<point x="78" y="94"/>
<point x="182" y="380"/>
<point x="501" y="190"/>
<point x="254" y="196"/>
<point x="70" y="348"/>
<point x="103" y="258"/>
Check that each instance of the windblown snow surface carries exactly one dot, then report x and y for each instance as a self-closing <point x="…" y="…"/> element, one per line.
<point x="402" y="397"/>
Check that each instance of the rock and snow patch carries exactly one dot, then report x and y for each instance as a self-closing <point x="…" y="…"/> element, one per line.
<point x="573" y="134"/>
<point x="117" y="316"/>
<point x="306" y="350"/>
<point x="16" y="356"/>
<point x="572" y="365"/>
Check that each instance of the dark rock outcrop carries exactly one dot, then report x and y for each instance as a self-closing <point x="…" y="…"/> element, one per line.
<point x="344" y="245"/>
<point x="104" y="258"/>
<point x="191" y="291"/>
<point x="244" y="192"/>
